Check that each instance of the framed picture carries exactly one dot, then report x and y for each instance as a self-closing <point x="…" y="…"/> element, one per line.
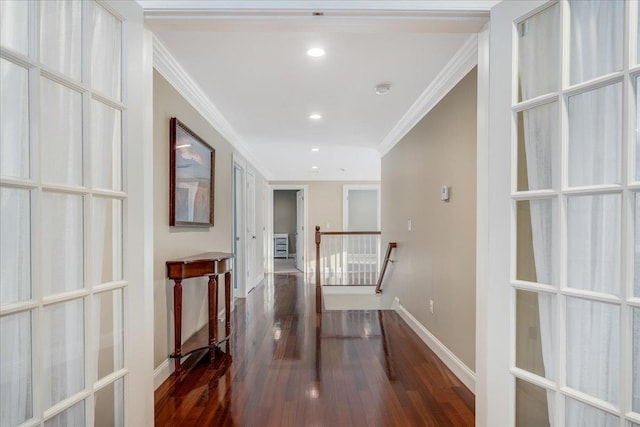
<point x="192" y="172"/>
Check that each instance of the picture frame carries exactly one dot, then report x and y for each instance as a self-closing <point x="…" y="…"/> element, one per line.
<point x="191" y="178"/>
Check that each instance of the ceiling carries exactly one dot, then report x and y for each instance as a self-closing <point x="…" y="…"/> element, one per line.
<point x="253" y="69"/>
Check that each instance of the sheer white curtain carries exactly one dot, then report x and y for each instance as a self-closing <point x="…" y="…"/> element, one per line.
<point x="593" y="221"/>
<point x="16" y="402"/>
<point x="106" y="172"/>
<point x="536" y="57"/>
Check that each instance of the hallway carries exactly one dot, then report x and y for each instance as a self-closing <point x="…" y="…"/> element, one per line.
<point x="350" y="368"/>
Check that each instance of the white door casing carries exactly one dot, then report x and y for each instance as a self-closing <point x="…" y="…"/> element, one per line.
<point x="309" y="233"/>
<point x="239" y="234"/>
<point x="251" y="238"/>
<point x="300" y="240"/>
<point x="376" y="208"/>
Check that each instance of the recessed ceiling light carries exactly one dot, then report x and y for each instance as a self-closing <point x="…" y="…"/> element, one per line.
<point x="315" y="149"/>
<point x="383" y="89"/>
<point x="315" y="116"/>
<point x="316" y="52"/>
<point x="314" y="167"/>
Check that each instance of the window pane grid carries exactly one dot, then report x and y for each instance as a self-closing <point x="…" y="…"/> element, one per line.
<point x="613" y="289"/>
<point x="44" y="65"/>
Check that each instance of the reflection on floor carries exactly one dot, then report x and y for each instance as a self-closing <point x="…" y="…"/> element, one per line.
<point x="288" y="366"/>
<point x="281" y="265"/>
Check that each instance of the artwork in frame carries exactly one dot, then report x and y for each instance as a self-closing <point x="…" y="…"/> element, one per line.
<point x="192" y="172"/>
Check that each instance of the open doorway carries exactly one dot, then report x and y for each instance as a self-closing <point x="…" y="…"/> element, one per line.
<point x="288" y="228"/>
<point x="361" y="207"/>
<point x="288" y="235"/>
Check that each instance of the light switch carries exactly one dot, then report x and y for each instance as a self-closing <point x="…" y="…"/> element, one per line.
<point x="444" y="193"/>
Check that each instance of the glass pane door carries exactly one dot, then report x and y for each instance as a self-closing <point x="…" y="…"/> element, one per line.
<point x="63" y="204"/>
<point x="574" y="197"/>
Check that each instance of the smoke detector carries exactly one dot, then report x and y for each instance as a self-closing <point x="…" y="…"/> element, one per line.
<point x="383" y="88"/>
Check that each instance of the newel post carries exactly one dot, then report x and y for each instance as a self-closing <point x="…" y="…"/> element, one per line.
<point x="318" y="286"/>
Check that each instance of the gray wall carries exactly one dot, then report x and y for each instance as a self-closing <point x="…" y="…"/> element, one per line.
<point x="436" y="260"/>
<point x="285" y="215"/>
<point x="176" y="242"/>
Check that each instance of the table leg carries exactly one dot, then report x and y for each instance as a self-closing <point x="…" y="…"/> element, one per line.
<point x="177" y="324"/>
<point x="213" y="316"/>
<point x="227" y="305"/>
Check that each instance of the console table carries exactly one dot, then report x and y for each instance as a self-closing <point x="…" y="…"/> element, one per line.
<point x="210" y="264"/>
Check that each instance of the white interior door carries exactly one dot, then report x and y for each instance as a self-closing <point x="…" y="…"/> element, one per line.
<point x="300" y="230"/>
<point x="251" y="231"/>
<point x="239" y="234"/>
<point x="73" y="332"/>
<point x="564" y="173"/>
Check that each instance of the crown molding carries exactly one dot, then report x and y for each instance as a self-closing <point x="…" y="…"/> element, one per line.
<point x="166" y="64"/>
<point x="322" y="5"/>
<point x="459" y="66"/>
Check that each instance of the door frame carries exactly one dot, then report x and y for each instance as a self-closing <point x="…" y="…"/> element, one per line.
<point x="238" y="221"/>
<point x="269" y="225"/>
<point x="250" y="259"/>
<point x="345" y="202"/>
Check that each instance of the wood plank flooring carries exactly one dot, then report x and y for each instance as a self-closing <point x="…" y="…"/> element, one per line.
<point x="289" y="367"/>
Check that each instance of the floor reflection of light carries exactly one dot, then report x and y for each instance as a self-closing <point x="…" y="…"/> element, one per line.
<point x="313" y="392"/>
<point x="277" y="332"/>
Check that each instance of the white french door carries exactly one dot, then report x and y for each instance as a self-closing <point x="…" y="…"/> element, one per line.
<point x="71" y="93"/>
<point x="564" y="173"/>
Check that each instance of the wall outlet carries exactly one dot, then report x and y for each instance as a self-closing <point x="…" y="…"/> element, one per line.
<point x="431" y="306"/>
<point x="408" y="225"/>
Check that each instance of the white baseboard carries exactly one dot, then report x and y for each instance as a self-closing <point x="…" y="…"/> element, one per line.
<point x="462" y="371"/>
<point x="162" y="372"/>
<point x="259" y="279"/>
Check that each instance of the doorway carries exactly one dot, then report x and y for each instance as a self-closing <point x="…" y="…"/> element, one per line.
<point x="361" y="207"/>
<point x="288" y="227"/>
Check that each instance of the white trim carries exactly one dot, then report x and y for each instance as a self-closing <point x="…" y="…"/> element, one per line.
<point x="399" y="5"/>
<point x="458" y="66"/>
<point x="460" y="370"/>
<point x="349" y="290"/>
<point x="239" y="250"/>
<point x="161" y="373"/>
<point x="259" y="278"/>
<point x="165" y="63"/>
<point x="307" y="236"/>
<point x="345" y="202"/>
<point x="482" y="228"/>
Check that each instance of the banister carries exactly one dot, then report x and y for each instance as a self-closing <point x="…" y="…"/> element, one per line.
<point x="318" y="241"/>
<point x="318" y="286"/>
<point x="384" y="266"/>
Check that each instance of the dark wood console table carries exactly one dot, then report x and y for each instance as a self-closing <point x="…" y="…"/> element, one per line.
<point x="210" y="264"/>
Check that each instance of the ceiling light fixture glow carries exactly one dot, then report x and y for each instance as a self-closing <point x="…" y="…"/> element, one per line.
<point x="316" y="52"/>
<point x="383" y="89"/>
<point x="315" y="150"/>
<point x="315" y="116"/>
<point x="314" y="167"/>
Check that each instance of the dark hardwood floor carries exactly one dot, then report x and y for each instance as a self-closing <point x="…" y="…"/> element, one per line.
<point x="289" y="367"/>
